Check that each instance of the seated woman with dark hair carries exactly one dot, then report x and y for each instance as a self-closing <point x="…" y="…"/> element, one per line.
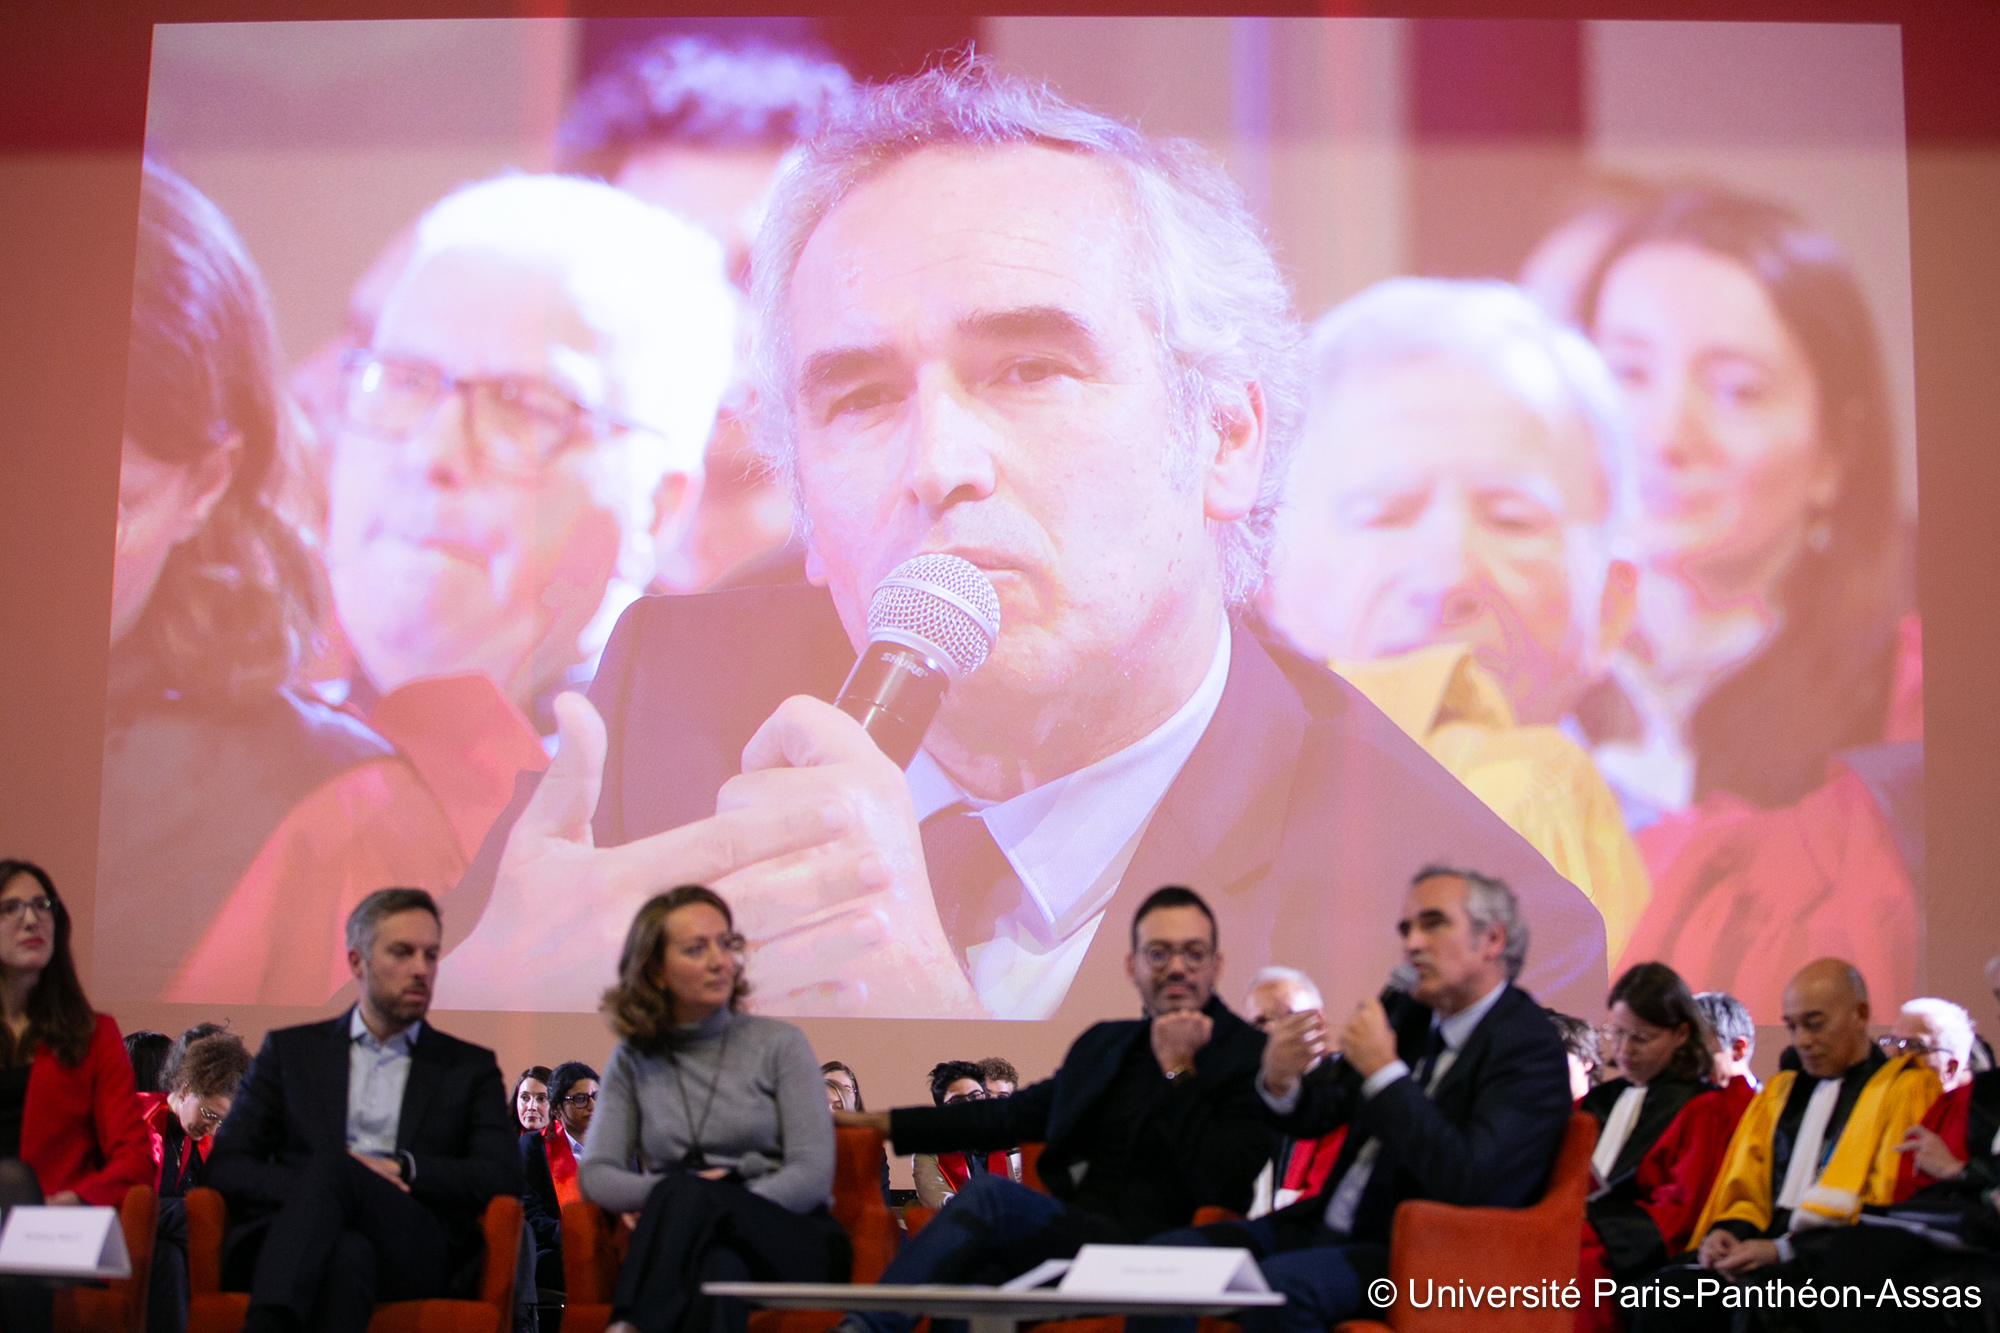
<point x="530" y="1100"/>
<point x="1663" y="1129"/>
<point x="69" y="1121"/>
<point x="548" y="1160"/>
<point x="724" y="1116"/>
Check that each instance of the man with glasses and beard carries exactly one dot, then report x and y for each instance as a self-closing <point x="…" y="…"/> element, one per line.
<point x="1147" y="1120"/>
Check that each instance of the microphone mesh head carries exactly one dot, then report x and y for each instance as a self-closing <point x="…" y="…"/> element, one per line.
<point x="940" y="605"/>
<point x="1403" y="978"/>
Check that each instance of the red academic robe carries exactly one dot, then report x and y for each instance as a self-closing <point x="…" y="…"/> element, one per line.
<point x="1646" y="1212"/>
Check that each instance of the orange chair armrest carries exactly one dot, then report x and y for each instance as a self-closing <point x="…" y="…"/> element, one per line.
<point x="502" y="1225"/>
<point x="1209" y="1215"/>
<point x="207" y="1220"/>
<point x="916" y="1217"/>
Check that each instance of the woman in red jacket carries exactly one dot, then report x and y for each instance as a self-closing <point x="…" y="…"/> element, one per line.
<point x="70" y="1131"/>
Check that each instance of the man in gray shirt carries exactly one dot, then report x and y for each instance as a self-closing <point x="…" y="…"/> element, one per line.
<point x="362" y="1150"/>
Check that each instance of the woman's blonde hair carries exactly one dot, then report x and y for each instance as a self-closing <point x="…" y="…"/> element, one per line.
<point x="638" y="1008"/>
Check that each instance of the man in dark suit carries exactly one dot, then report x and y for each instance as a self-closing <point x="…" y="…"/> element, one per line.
<point x="361" y="1151"/>
<point x="1146" y="1121"/>
<point x="1113" y="469"/>
<point x="1456" y="1092"/>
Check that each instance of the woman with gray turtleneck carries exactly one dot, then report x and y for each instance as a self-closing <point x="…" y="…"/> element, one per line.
<point x="711" y="1123"/>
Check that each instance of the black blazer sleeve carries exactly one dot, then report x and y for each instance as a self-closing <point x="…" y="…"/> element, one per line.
<point x="539" y="1206"/>
<point x="463" y="1147"/>
<point x="989" y="1126"/>
<point x="1328" y="1096"/>
<point x="1489" y="1140"/>
<point x="245" y="1162"/>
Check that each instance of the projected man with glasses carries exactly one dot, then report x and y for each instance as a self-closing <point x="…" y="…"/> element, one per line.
<point x="1000" y="327"/>
<point x="525" y="430"/>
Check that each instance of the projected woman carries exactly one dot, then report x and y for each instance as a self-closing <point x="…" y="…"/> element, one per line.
<point x="214" y="772"/>
<point x="1771" y="635"/>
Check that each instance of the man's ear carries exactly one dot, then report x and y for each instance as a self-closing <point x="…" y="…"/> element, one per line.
<point x="1236" y="472"/>
<point x="1617" y="606"/>
<point x="354" y="961"/>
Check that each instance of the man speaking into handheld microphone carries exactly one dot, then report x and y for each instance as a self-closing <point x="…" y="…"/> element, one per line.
<point x="996" y="327"/>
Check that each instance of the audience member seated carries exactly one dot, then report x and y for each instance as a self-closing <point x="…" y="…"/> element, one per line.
<point x="712" y="1126"/>
<point x="940" y="1175"/>
<point x="531" y="1100"/>
<point x="70" y="1131"/>
<point x="221" y="783"/>
<point x="549" y="1165"/>
<point x="843" y="1089"/>
<point x="1300" y="1167"/>
<point x="1663" y="1127"/>
<point x="1451" y="538"/>
<point x="525" y="427"/>
<point x="1160" y="1109"/>
<point x="1457" y="1092"/>
<point x="999" y="1076"/>
<point x="148" y="1053"/>
<point x="1586" y="1066"/>
<point x="701" y="128"/>
<point x="1940" y="1032"/>
<point x="1814" y="1146"/>
<point x="362" y="1150"/>
<point x="1735" y="1044"/>
<point x="1763" y="723"/>
<point x="202" y="1077"/>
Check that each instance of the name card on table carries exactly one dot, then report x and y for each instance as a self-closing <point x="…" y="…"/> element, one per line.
<point x="64" y="1242"/>
<point x="1161" y="1272"/>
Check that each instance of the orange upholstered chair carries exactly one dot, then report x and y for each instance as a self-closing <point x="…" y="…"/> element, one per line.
<point x="213" y="1310"/>
<point x="1483" y="1247"/>
<point x="117" y="1306"/>
<point x="594" y="1245"/>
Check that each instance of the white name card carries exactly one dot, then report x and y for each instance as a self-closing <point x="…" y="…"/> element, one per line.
<point x="64" y="1242"/>
<point x="1161" y="1272"/>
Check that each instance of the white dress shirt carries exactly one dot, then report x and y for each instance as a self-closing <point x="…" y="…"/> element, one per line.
<point x="1069" y="841"/>
<point x="377" y="1073"/>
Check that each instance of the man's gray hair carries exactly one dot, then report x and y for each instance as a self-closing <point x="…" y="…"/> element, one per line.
<point x="1208" y="283"/>
<point x="1489" y="905"/>
<point x="1499" y="331"/>
<point x="368" y="914"/>
<point x="1953" y="1024"/>
<point x="1291" y="976"/>
<point x="1727" y="1018"/>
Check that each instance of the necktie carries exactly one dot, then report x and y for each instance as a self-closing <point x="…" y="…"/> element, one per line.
<point x="1427" y="1068"/>
<point x="971" y="880"/>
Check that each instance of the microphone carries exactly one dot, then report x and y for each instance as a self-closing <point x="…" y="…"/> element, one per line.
<point x="1402" y="980"/>
<point x="752" y="1165"/>
<point x="931" y="623"/>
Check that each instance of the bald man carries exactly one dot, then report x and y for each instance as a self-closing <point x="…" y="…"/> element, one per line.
<point x="1814" y="1146"/>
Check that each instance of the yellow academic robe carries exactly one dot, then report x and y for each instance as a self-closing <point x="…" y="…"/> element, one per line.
<point x="1861" y="1171"/>
<point x="1535" y="778"/>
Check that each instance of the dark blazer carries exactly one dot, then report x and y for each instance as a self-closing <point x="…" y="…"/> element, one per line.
<point x="1486" y="1138"/>
<point x="292" y="1106"/>
<point x="1301" y="815"/>
<point x="540" y="1208"/>
<point x="1215" y="1117"/>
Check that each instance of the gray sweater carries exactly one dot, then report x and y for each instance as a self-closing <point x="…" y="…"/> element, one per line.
<point x="768" y="1100"/>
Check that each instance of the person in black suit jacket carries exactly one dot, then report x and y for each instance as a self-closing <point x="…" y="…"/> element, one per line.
<point x="1129" y="727"/>
<point x="1457" y="1092"/>
<point x="1145" y="1122"/>
<point x="361" y="1151"/>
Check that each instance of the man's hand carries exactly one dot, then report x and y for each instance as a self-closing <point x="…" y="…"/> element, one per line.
<point x="1291" y="1045"/>
<point x="1368" y="1042"/>
<point x="1745" y="1256"/>
<point x="1715" y="1247"/>
<point x="386" y="1167"/>
<point x="1929" y="1153"/>
<point x="875" y="1120"/>
<point x="556" y="920"/>
<point x="64" y="1199"/>
<point x="824" y="938"/>
<point x="1178" y="1035"/>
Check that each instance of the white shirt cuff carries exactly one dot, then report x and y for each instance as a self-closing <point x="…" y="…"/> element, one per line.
<point x="1284" y="1105"/>
<point x="1785" y="1251"/>
<point x="1383" y="1077"/>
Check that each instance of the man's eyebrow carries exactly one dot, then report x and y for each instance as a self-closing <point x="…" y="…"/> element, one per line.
<point x="842" y="365"/>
